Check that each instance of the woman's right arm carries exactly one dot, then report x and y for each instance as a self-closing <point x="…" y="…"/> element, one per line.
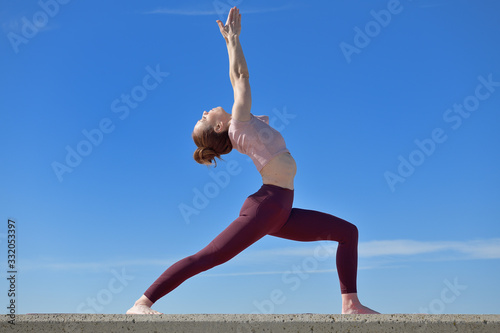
<point x="238" y="70"/>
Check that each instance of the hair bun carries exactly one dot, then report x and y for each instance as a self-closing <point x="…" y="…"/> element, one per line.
<point x="211" y="145"/>
<point x="206" y="155"/>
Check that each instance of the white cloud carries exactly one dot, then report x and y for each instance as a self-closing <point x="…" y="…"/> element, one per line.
<point x="461" y="250"/>
<point x="51" y="264"/>
<point x="317" y="271"/>
<point x="397" y="251"/>
<point x="15" y="25"/>
<point x="432" y="4"/>
<point x="214" y="11"/>
<point x="476" y="249"/>
<point x="11" y="25"/>
<point x="183" y="12"/>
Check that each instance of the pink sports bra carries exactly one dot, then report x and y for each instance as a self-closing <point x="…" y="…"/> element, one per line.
<point x="256" y="139"/>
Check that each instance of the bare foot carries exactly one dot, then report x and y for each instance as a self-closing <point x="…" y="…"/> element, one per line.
<point x="141" y="309"/>
<point x="142" y="306"/>
<point x="359" y="310"/>
<point x="352" y="305"/>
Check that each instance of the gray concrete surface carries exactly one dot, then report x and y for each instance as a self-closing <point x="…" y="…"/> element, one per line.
<point x="246" y="323"/>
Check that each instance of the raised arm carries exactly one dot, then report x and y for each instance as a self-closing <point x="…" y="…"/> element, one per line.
<point x="238" y="70"/>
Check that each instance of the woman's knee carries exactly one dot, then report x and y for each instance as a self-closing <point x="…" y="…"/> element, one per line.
<point x="351" y="233"/>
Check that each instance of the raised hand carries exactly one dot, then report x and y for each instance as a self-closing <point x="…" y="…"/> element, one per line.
<point x="233" y="24"/>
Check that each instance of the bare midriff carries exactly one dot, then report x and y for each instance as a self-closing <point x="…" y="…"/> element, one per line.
<point x="280" y="171"/>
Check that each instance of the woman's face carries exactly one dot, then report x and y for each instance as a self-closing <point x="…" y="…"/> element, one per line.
<point x="214" y="118"/>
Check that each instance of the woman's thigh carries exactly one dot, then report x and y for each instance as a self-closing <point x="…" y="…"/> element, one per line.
<point x="259" y="216"/>
<point x="309" y="225"/>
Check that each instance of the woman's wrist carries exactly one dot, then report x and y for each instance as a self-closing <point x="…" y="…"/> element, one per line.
<point x="232" y="39"/>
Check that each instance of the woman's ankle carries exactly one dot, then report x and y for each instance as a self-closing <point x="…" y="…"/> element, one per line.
<point x="143" y="300"/>
<point x="350" y="301"/>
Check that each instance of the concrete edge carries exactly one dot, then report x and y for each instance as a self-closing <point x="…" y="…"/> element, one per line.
<point x="300" y="317"/>
<point x="248" y="323"/>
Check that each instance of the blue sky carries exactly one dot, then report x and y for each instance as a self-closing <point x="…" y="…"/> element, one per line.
<point x="390" y="109"/>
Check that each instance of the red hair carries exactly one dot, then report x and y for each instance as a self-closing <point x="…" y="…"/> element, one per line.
<point x="211" y="145"/>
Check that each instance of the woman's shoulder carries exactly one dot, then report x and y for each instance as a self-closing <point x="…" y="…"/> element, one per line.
<point x="252" y="119"/>
<point x="240" y="124"/>
<point x="263" y="118"/>
<point x="236" y="120"/>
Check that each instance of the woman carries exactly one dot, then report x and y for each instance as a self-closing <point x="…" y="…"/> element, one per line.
<point x="268" y="211"/>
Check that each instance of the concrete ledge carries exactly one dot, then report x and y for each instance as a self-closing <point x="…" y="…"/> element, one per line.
<point x="246" y="323"/>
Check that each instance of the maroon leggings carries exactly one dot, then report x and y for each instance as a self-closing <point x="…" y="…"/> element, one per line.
<point x="268" y="212"/>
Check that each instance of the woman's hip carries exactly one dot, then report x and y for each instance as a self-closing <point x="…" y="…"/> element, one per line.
<point x="270" y="206"/>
